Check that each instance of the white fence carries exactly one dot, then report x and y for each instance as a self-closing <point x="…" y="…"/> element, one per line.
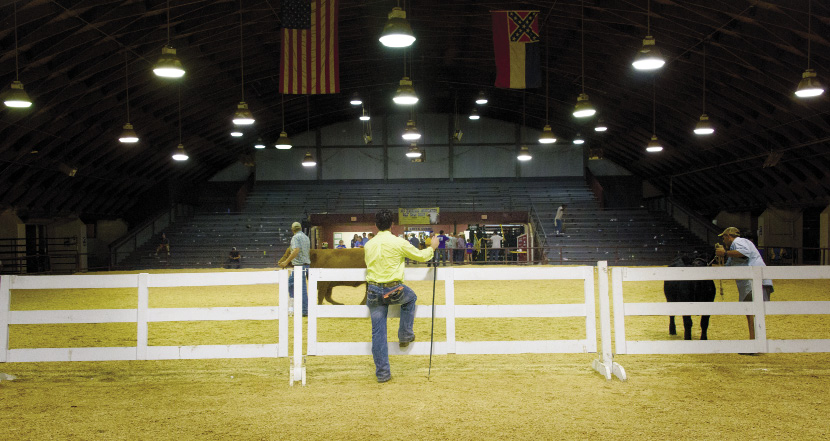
<point x="142" y="315"/>
<point x="451" y="311"/>
<point x="757" y="308"/>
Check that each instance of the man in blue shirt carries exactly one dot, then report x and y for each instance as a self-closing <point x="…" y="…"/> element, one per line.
<point x="298" y="254"/>
<point x="442" y="248"/>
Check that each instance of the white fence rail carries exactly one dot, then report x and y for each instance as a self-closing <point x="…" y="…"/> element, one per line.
<point x="757" y="308"/>
<point x="142" y="315"/>
<point x="451" y="311"/>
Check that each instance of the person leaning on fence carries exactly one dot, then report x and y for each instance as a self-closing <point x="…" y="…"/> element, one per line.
<point x="164" y="244"/>
<point x="298" y="254"/>
<point x="742" y="252"/>
<point x="385" y="256"/>
<point x="234" y="259"/>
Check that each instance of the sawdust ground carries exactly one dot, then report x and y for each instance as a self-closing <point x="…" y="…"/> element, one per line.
<point x="531" y="396"/>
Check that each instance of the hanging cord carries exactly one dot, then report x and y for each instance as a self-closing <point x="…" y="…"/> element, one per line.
<point x="704" y="77"/>
<point x="582" y="9"/>
<point x="282" y="110"/>
<point x="809" y="29"/>
<point x="168" y="23"/>
<point x="654" y="106"/>
<point x="127" y="82"/>
<point x="648" y="18"/>
<point x="241" y="54"/>
<point x="547" y="77"/>
<point x="16" y="50"/>
<point x="180" y="113"/>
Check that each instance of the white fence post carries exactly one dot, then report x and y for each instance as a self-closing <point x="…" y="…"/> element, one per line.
<point x="282" y="342"/>
<point x="141" y="316"/>
<point x="449" y="305"/>
<point x="297" y="373"/>
<point x="758" y="309"/>
<point x="606" y="365"/>
<point x="5" y="306"/>
<point x="311" y="331"/>
<point x="619" y="309"/>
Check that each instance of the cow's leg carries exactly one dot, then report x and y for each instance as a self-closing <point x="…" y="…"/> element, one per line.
<point x="672" y="327"/>
<point x="687" y="327"/>
<point x="704" y="325"/>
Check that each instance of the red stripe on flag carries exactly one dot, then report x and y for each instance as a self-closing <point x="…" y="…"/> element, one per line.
<point x="501" y="46"/>
<point x="310" y="58"/>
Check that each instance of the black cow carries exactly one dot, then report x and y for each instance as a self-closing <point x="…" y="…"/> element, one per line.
<point x="689" y="291"/>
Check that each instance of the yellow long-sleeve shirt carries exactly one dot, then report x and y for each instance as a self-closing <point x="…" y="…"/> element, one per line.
<point x="385" y="256"/>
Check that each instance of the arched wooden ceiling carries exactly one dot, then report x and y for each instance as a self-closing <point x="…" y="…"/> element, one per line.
<point x="72" y="63"/>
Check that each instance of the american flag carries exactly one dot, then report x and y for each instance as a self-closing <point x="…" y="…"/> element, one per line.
<point x="309" y="62"/>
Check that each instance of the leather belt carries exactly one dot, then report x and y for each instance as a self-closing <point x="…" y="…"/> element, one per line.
<point x="387" y="284"/>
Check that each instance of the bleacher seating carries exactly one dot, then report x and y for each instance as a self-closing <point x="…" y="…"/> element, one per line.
<point x="261" y="231"/>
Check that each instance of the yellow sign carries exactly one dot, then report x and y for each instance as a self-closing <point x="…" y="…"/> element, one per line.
<point x="417" y="216"/>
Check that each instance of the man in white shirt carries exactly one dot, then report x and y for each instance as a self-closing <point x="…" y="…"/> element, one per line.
<point x="742" y="252"/>
<point x="495" y="247"/>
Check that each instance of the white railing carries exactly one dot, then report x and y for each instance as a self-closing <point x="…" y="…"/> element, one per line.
<point x="142" y="315"/>
<point x="450" y="311"/>
<point x="757" y="308"/>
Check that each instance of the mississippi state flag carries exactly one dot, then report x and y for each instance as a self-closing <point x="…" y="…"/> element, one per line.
<point x="309" y="62"/>
<point x="516" y="43"/>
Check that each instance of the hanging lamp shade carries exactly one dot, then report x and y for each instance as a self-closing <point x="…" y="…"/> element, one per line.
<point x="355" y="101"/>
<point x="474" y="115"/>
<point x="809" y="86"/>
<point x="413" y="152"/>
<point x="180" y="154"/>
<point x="583" y="108"/>
<point x="16" y="96"/>
<point x="236" y="134"/>
<point x="365" y="117"/>
<point x="704" y="126"/>
<point x="396" y="31"/>
<point x="547" y="135"/>
<point x="578" y="139"/>
<point x="168" y="65"/>
<point x="411" y="132"/>
<point x="482" y="99"/>
<point x="405" y="95"/>
<point x="308" y="160"/>
<point x="649" y="57"/>
<point x="654" y="145"/>
<point x="243" y="116"/>
<point x="601" y="126"/>
<point x="524" y="154"/>
<point x="259" y="144"/>
<point x="128" y="135"/>
<point x="284" y="142"/>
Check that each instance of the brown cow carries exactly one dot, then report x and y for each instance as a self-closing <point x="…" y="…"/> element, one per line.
<point x="342" y="258"/>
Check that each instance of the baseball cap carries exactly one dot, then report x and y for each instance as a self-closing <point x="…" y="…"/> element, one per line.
<point x="296" y="226"/>
<point x="732" y="231"/>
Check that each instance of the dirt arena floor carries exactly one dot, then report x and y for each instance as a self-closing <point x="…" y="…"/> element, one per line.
<point x="533" y="396"/>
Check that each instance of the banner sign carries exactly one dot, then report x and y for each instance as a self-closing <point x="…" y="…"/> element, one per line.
<point x="417" y="216"/>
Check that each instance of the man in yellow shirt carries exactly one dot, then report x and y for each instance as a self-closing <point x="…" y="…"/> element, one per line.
<point x="385" y="256"/>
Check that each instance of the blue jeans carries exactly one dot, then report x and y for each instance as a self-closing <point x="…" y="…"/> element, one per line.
<point x="378" y="308"/>
<point x="558" y="226"/>
<point x="305" y="288"/>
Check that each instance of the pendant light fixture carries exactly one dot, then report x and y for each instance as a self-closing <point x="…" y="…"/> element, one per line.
<point x="809" y="85"/>
<point x="405" y="95"/>
<point x="16" y="96"/>
<point x="583" y="108"/>
<point x="397" y="32"/>
<point x="236" y="133"/>
<point x="128" y="135"/>
<point x="474" y="115"/>
<point x="649" y="57"/>
<point x="180" y="154"/>
<point x="411" y="132"/>
<point x="578" y="139"/>
<point x="547" y="136"/>
<point x="413" y="151"/>
<point x="355" y="101"/>
<point x="242" y="116"/>
<point x="259" y="144"/>
<point x="363" y="115"/>
<point x="704" y="126"/>
<point x="284" y="142"/>
<point x="168" y="65"/>
<point x="524" y="154"/>
<point x="654" y="146"/>
<point x="308" y="160"/>
<point x="482" y="98"/>
<point x="601" y="126"/>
